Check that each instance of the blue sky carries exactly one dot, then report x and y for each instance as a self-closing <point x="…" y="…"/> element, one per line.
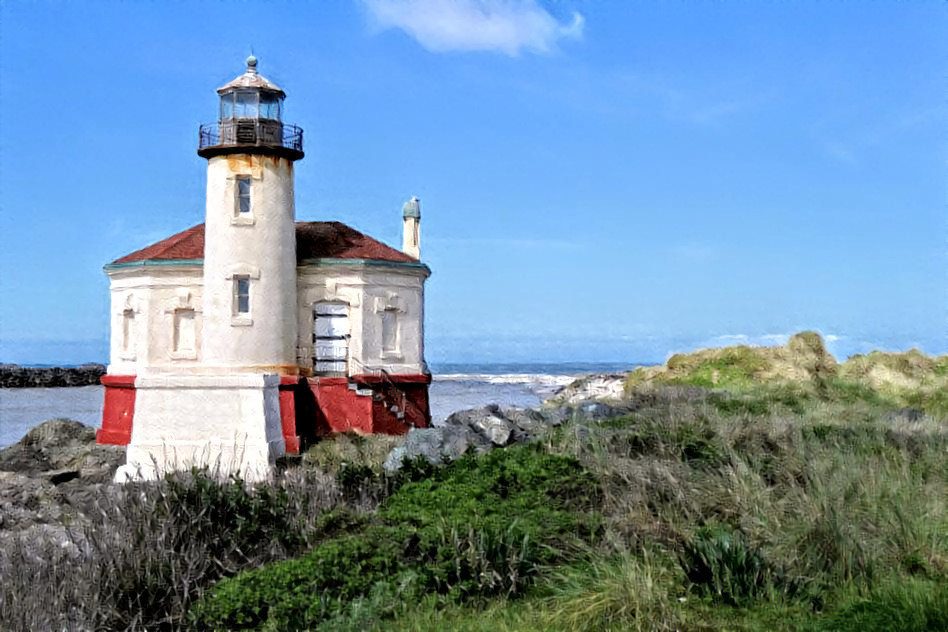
<point x="600" y="181"/>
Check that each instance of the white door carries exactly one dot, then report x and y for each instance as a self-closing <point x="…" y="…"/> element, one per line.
<point x="331" y="338"/>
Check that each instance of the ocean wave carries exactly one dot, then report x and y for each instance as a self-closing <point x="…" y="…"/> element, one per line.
<point x="509" y="378"/>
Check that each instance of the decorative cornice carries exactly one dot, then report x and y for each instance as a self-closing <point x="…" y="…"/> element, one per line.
<point x="148" y="263"/>
<point x="329" y="262"/>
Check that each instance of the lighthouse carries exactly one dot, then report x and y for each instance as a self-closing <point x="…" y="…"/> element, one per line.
<point x="251" y="335"/>
<point x="225" y="412"/>
<point x="250" y="230"/>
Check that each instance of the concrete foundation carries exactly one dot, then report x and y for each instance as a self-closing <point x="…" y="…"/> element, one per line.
<point x="230" y="423"/>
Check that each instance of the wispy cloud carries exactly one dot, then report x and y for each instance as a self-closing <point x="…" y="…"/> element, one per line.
<point x="505" y="26"/>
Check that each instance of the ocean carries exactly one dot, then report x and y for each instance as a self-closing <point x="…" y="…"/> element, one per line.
<point x="455" y="387"/>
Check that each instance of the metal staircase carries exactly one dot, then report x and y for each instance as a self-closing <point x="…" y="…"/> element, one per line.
<point x="386" y="391"/>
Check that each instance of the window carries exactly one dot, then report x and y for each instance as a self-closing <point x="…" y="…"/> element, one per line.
<point x="241" y="294"/>
<point x="389" y="331"/>
<point x="246" y="105"/>
<point x="227" y="107"/>
<point x="243" y="195"/>
<point x="128" y="330"/>
<point x="269" y="107"/>
<point x="184" y="331"/>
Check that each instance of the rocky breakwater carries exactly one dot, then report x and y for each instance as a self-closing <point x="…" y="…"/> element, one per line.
<point x="589" y="399"/>
<point x="52" y="477"/>
<point x="16" y="376"/>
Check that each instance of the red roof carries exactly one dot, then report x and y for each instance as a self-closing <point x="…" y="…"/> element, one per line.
<point x="314" y="240"/>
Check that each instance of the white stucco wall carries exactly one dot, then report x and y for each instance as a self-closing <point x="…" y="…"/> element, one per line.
<point x="369" y="291"/>
<point x="230" y="423"/>
<point x="152" y="294"/>
<point x="260" y="245"/>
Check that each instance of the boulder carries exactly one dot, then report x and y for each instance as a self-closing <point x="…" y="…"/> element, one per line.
<point x="459" y="439"/>
<point x="607" y="386"/>
<point x="530" y="421"/>
<point x="494" y="427"/>
<point x="479" y="428"/>
<point x="393" y="462"/>
<point x="54" y="472"/>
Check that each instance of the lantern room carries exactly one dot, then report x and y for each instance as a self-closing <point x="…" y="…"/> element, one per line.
<point x="250" y="96"/>
<point x="251" y="119"/>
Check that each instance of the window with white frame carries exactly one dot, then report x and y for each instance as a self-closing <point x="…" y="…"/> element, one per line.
<point x="389" y="331"/>
<point x="241" y="295"/>
<point x="243" y="196"/>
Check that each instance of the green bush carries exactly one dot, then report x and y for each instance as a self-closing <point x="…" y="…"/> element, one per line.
<point x="475" y="528"/>
<point x="720" y="563"/>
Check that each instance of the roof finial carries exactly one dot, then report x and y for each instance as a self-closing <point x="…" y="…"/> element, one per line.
<point x="252" y="63"/>
<point x="412" y="208"/>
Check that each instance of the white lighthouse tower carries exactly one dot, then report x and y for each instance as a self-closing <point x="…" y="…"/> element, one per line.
<point x="250" y="231"/>
<point x="224" y="411"/>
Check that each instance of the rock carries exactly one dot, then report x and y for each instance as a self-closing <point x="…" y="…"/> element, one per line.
<point x="488" y="421"/>
<point x="394" y="460"/>
<point x="530" y="421"/>
<point x="467" y="417"/>
<point x="61" y="444"/>
<point x="25" y="501"/>
<point x="495" y="428"/>
<point x="479" y="428"/>
<point x="458" y="439"/>
<point x="20" y="457"/>
<point x="588" y="410"/>
<point x="53" y="473"/>
<point x="425" y="442"/>
<point x="609" y="386"/>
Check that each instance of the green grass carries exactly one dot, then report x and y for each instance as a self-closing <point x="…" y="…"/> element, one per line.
<point x="474" y="529"/>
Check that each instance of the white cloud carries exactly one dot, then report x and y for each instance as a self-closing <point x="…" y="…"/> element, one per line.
<point x="506" y="26"/>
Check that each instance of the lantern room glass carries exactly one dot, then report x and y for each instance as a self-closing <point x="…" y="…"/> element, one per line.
<point x="250" y="104"/>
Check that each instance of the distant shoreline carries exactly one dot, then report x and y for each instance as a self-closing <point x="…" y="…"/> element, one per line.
<point x="16" y="376"/>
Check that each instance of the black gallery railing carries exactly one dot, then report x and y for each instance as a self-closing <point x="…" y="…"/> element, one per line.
<point x="251" y="132"/>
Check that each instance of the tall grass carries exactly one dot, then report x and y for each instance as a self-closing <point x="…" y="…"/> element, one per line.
<point x="149" y="549"/>
<point x="774" y="495"/>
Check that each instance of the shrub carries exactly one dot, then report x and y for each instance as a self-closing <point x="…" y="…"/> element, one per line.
<point x="475" y="528"/>
<point x="723" y="566"/>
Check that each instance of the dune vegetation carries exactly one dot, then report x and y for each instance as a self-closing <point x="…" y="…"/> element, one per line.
<point x="741" y="489"/>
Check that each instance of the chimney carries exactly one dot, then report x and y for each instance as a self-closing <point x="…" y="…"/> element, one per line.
<point x="411" y="216"/>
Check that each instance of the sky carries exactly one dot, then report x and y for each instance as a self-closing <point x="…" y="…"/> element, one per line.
<point x="599" y="181"/>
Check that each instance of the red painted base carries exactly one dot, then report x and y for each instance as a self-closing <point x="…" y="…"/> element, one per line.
<point x="288" y="414"/>
<point x="118" y="411"/>
<point x="309" y="407"/>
